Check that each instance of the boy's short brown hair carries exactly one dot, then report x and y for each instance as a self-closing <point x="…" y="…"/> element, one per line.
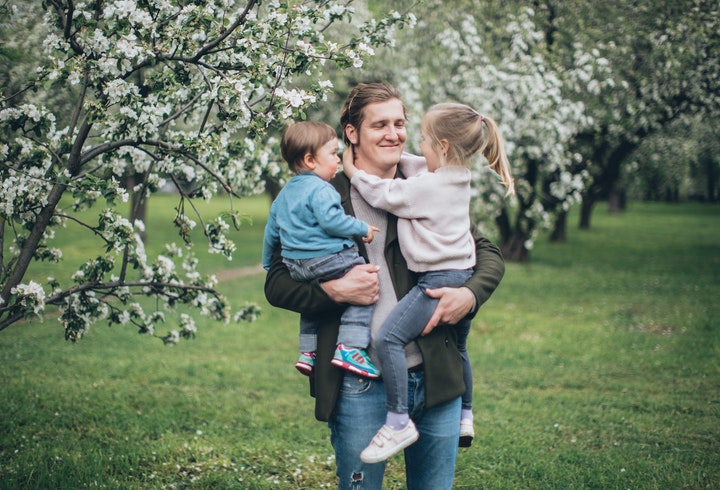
<point x="302" y="138"/>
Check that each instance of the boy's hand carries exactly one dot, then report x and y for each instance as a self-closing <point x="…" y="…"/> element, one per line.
<point x="371" y="234"/>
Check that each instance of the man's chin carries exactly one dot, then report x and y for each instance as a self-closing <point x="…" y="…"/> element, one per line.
<point x="392" y="155"/>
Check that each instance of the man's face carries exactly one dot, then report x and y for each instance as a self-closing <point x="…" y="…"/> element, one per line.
<point x="380" y="140"/>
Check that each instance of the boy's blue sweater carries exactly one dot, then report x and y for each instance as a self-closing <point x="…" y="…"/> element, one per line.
<point x="308" y="221"/>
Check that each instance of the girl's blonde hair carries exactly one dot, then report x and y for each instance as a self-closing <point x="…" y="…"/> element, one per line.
<point x="467" y="132"/>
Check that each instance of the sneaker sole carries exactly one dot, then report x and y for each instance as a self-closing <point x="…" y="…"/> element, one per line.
<point x="305" y="369"/>
<point x="353" y="368"/>
<point x="389" y="454"/>
<point x="465" y="441"/>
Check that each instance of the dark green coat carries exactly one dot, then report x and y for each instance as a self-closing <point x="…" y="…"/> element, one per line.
<point x="441" y="359"/>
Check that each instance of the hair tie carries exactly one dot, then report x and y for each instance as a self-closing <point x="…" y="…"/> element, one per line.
<point x="482" y="117"/>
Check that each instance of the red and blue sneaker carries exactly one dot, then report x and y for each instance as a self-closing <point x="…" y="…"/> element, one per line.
<point x="306" y="363"/>
<point x="355" y="360"/>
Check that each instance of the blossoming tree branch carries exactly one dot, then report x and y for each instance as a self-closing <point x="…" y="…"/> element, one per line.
<point x="173" y="93"/>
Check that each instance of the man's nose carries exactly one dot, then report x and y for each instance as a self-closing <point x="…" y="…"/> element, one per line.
<point x="391" y="133"/>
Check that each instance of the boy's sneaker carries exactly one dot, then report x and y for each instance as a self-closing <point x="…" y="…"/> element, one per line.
<point x="355" y="361"/>
<point x="467" y="433"/>
<point x="388" y="442"/>
<point x="306" y="363"/>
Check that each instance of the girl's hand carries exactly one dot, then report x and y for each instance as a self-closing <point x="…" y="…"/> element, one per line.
<point x="349" y="163"/>
<point x="371" y="234"/>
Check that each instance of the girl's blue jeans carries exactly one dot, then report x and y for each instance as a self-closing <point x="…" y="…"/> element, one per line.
<point x="405" y="323"/>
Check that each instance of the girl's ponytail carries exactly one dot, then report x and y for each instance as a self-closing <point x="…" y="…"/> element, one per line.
<point x="493" y="149"/>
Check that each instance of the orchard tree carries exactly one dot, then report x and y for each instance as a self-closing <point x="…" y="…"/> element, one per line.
<point x="681" y="162"/>
<point x="665" y="64"/>
<point x="178" y="93"/>
<point x="504" y="70"/>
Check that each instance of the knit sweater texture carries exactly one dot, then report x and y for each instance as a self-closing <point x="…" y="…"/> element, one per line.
<point x="434" y="217"/>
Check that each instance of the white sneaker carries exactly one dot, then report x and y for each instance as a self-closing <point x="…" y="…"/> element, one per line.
<point x="467" y="433"/>
<point x="388" y="442"/>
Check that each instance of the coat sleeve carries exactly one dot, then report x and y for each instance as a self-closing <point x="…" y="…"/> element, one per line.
<point x="309" y="297"/>
<point x="489" y="270"/>
<point x="282" y="291"/>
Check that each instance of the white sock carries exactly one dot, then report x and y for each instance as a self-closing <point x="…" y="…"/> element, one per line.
<point x="466" y="414"/>
<point x="397" y="421"/>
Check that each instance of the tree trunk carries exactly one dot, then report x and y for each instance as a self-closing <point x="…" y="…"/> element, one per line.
<point x="138" y="205"/>
<point x="559" y="233"/>
<point x="30" y="246"/>
<point x="272" y="188"/>
<point x="514" y="249"/>
<point x="617" y="200"/>
<point x="586" y="212"/>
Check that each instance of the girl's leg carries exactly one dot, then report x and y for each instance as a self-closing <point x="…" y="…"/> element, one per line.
<point x="463" y="329"/>
<point x="405" y="322"/>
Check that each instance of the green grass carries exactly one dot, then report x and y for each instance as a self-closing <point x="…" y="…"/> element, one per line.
<point x="596" y="366"/>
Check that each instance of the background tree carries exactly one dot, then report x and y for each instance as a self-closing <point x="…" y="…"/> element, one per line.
<point x="497" y="59"/>
<point x="665" y="65"/>
<point x="179" y="93"/>
<point x="679" y="163"/>
<point x="592" y="78"/>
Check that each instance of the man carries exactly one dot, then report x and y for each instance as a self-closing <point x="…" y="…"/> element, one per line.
<point x="373" y="122"/>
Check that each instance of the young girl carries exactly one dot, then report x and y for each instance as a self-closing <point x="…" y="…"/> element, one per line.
<point x="433" y="208"/>
<point x="315" y="235"/>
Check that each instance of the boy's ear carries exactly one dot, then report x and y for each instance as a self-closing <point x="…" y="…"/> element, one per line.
<point x="351" y="134"/>
<point x="309" y="161"/>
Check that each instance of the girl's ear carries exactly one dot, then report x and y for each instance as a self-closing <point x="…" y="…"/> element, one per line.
<point x="445" y="146"/>
<point x="351" y="134"/>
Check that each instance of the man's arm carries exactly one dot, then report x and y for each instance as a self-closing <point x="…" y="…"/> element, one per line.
<point x="359" y="286"/>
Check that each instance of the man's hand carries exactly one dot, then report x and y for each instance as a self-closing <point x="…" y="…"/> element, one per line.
<point x="360" y="286"/>
<point x="454" y="304"/>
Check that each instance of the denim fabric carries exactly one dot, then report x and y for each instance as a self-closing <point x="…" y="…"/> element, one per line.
<point x="359" y="414"/>
<point x="463" y="330"/>
<point x="355" y="321"/>
<point x="405" y="322"/>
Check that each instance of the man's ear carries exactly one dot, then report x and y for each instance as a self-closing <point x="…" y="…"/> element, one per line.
<point x="351" y="134"/>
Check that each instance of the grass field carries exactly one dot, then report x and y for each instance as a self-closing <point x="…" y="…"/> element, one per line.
<point x="597" y="366"/>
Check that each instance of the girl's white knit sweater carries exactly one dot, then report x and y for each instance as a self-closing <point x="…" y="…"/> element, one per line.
<point x="434" y="215"/>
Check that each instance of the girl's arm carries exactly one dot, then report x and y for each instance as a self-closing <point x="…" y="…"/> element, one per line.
<point x="412" y="164"/>
<point x="349" y="162"/>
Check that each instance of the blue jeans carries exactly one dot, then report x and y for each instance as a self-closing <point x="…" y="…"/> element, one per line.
<point x="359" y="414"/>
<point x="405" y="323"/>
<point x="355" y="321"/>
